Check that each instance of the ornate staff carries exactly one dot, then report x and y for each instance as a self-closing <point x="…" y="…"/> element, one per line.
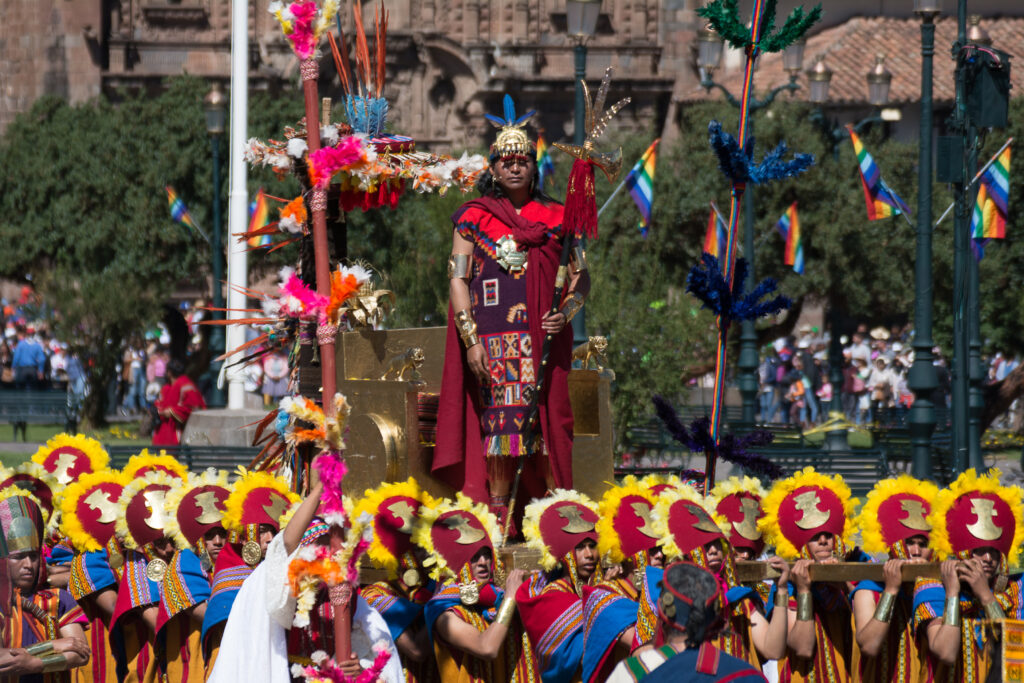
<point x="736" y="162"/>
<point x="579" y="219"/>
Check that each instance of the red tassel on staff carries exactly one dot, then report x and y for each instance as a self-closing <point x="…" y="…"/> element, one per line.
<point x="581" y="200"/>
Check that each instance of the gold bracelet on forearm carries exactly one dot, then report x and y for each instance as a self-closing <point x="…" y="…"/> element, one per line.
<point x="40" y="649"/>
<point x="572" y="305"/>
<point x="804" y="607"/>
<point x="466" y="326"/>
<point x="951" y="615"/>
<point x="458" y="267"/>
<point x="54" y="662"/>
<point x="883" y="611"/>
<point x="781" y="597"/>
<point x="994" y="612"/>
<point x="506" y="611"/>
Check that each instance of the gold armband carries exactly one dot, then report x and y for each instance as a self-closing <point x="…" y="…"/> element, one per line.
<point x="781" y="597"/>
<point x="579" y="259"/>
<point x="505" y="612"/>
<point x="54" y="662"/>
<point x="458" y="267"/>
<point x="994" y="612"/>
<point x="572" y="305"/>
<point x="951" y="615"/>
<point x="466" y="326"/>
<point x="804" y="607"/>
<point x="883" y="611"/>
<point x="39" y="649"/>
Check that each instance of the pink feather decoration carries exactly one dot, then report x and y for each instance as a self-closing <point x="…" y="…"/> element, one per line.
<point x="302" y="36"/>
<point x="329" y="671"/>
<point x="327" y="161"/>
<point x="300" y="301"/>
<point x="332" y="471"/>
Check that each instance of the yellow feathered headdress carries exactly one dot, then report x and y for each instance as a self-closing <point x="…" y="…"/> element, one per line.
<point x="89" y="511"/>
<point x="625" y="524"/>
<point x="895" y="510"/>
<point x="257" y="498"/>
<point x="150" y="514"/>
<point x="804" y="505"/>
<point x="556" y="524"/>
<point x="33" y="478"/>
<point x="68" y="457"/>
<point x="684" y="529"/>
<point x="739" y="501"/>
<point x="446" y="553"/>
<point x="144" y="462"/>
<point x="977" y="512"/>
<point x="176" y="496"/>
<point x="391" y="509"/>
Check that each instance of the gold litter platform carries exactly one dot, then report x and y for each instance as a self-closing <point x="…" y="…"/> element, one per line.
<point x="384" y="441"/>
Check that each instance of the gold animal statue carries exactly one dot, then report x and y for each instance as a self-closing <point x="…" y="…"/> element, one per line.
<point x="595" y="348"/>
<point x="408" y="361"/>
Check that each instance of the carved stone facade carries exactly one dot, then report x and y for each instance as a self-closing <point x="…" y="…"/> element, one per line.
<point x="448" y="62"/>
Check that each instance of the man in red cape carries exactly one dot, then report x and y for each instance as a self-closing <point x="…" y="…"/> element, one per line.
<point x="177" y="401"/>
<point x="488" y="379"/>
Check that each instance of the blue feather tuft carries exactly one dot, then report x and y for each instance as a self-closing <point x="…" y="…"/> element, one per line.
<point x="526" y="116"/>
<point x="738" y="164"/>
<point x="707" y="283"/>
<point x="510" y="109"/>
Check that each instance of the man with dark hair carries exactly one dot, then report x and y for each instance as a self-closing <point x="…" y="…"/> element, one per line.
<point x="177" y="400"/>
<point x="689" y="619"/>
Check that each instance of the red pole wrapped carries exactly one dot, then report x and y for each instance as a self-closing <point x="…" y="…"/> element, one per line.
<point x="340" y="596"/>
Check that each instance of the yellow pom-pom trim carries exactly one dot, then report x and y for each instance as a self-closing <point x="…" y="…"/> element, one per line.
<point x="34" y="469"/>
<point x="531" y="522"/>
<point x="660" y="517"/>
<point x="971" y="482"/>
<point x="130" y="491"/>
<point x="608" y="542"/>
<point x="370" y="505"/>
<point x="734" y="485"/>
<point x="651" y="480"/>
<point x="144" y="460"/>
<point x="70" y="526"/>
<point x="93" y="450"/>
<point x="769" y="524"/>
<point x="173" y="498"/>
<point x="436" y="564"/>
<point x="867" y="521"/>
<point x="247" y="482"/>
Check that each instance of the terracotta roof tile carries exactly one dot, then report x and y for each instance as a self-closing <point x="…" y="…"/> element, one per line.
<point x="849" y="50"/>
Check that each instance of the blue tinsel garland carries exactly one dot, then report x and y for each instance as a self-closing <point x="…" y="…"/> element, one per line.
<point x="738" y="164"/>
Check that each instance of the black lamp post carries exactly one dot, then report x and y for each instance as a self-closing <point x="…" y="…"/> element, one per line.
<point x="215" y="106"/>
<point x="922" y="378"/>
<point x="820" y="78"/>
<point x="581" y="21"/>
<point x="709" y="54"/>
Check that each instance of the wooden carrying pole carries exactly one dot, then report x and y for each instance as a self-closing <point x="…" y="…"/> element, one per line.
<point x="752" y="572"/>
<point x="341" y="596"/>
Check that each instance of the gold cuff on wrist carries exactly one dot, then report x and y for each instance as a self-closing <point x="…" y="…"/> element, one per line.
<point x="40" y="649"/>
<point x="804" y="607"/>
<point x="54" y="662"/>
<point x="994" y="612"/>
<point x="506" y="611"/>
<point x="951" y="615"/>
<point x="572" y="305"/>
<point x="466" y="326"/>
<point x="883" y="611"/>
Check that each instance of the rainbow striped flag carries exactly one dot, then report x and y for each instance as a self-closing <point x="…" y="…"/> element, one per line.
<point x="545" y="165"/>
<point x="640" y="182"/>
<point x="990" y="211"/>
<point x="179" y="212"/>
<point x="789" y="227"/>
<point x="259" y="215"/>
<point x="881" y="201"/>
<point x="717" y="235"/>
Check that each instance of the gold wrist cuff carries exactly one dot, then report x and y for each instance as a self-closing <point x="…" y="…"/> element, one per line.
<point x="506" y="611"/>
<point x="804" y="607"/>
<point x="38" y="649"/>
<point x="466" y="326"/>
<point x="572" y="305"/>
<point x="458" y="267"/>
<point x="54" y="662"/>
<point x="883" y="611"/>
<point x="781" y="597"/>
<point x="951" y="615"/>
<point x="994" y="611"/>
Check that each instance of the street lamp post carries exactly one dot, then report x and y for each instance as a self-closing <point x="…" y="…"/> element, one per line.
<point x="820" y="77"/>
<point x="709" y="54"/>
<point x="581" y="22"/>
<point x="214" y="106"/>
<point x="922" y="378"/>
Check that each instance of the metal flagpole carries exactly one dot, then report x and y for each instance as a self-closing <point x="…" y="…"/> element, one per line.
<point x="977" y="177"/>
